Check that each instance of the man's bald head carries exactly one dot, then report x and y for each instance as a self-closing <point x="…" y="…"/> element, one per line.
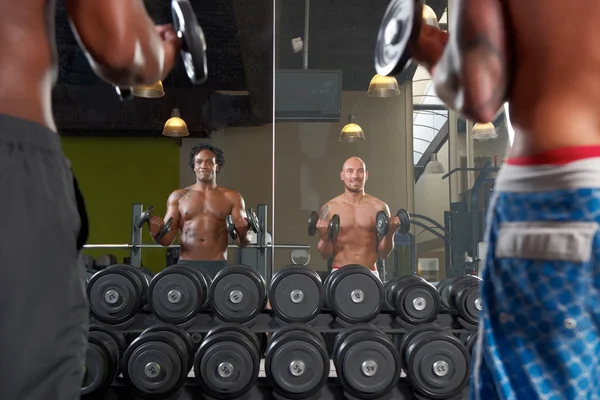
<point x="354" y="174"/>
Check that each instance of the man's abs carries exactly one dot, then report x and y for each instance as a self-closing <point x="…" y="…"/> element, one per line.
<point x="555" y="74"/>
<point x="356" y="248"/>
<point x="28" y="66"/>
<point x="204" y="238"/>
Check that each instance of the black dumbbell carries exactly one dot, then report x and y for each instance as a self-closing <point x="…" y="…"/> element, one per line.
<point x="462" y="294"/>
<point x="227" y="362"/>
<point x="117" y="293"/>
<point x="435" y="361"/>
<point x="366" y="361"/>
<point x="382" y="222"/>
<point x="413" y="299"/>
<point x="354" y="294"/>
<point x="334" y="225"/>
<point x="237" y="294"/>
<point x="156" y="363"/>
<point x="296" y="362"/>
<point x="296" y="293"/>
<point x="103" y="358"/>
<point x="193" y="51"/>
<point x="178" y="293"/>
<point x="145" y="217"/>
<point x="253" y="224"/>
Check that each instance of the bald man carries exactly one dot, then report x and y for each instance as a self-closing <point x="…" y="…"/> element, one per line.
<point x="357" y="241"/>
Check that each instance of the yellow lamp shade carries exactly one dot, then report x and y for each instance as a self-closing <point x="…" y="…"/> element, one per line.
<point x="486" y="131"/>
<point x="351" y="132"/>
<point x="383" y="86"/>
<point x="175" y="126"/>
<point x="149" y="91"/>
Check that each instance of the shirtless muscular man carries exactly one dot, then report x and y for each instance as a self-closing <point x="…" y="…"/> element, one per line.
<point x="356" y="242"/>
<point x="44" y="317"/>
<point x="540" y="322"/>
<point x="199" y="211"/>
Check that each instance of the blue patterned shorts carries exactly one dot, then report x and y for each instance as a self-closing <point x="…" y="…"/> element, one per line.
<point x="540" y="323"/>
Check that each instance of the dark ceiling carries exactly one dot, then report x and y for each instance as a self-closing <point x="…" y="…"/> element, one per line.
<point x="239" y="36"/>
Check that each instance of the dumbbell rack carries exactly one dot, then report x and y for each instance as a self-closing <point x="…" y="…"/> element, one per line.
<point x="267" y="322"/>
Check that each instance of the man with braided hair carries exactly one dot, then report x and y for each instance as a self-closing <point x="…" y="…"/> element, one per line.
<point x="199" y="211"/>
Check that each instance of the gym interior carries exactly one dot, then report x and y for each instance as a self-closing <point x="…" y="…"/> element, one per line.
<point x="291" y="93"/>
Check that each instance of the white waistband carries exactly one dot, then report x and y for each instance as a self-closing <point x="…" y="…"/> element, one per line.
<point x="541" y="178"/>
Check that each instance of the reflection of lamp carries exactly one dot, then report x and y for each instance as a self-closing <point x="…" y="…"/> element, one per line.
<point x="149" y="91"/>
<point x="175" y="126"/>
<point x="351" y="132"/>
<point x="433" y="166"/>
<point x="486" y="131"/>
<point x="429" y="16"/>
<point x="383" y="86"/>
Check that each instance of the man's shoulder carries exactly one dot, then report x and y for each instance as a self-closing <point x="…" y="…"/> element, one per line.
<point x="179" y="193"/>
<point x="375" y="201"/>
<point x="230" y="193"/>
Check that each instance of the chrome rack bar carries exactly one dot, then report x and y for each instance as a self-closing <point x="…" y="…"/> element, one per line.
<point x="176" y="246"/>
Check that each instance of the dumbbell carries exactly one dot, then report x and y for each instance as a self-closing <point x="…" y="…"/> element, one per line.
<point x="156" y="363"/>
<point x="227" y="362"/>
<point x="104" y="350"/>
<point x="334" y="225"/>
<point x="178" y="293"/>
<point x="296" y="362"/>
<point x="462" y="294"/>
<point x="237" y="294"/>
<point x="398" y="36"/>
<point x="145" y="217"/>
<point x="413" y="299"/>
<point x="193" y="50"/>
<point x="382" y="222"/>
<point x="436" y="362"/>
<point x="117" y="293"/>
<point x="296" y="294"/>
<point x="366" y="361"/>
<point x="253" y="224"/>
<point x="469" y="340"/>
<point x="354" y="294"/>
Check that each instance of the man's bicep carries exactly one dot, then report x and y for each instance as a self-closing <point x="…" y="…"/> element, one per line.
<point x="238" y="206"/>
<point x="173" y="206"/>
<point x="324" y="213"/>
<point x="473" y="75"/>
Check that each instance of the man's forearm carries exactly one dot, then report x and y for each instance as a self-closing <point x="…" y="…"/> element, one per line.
<point x="243" y="240"/>
<point x="325" y="247"/>
<point x="386" y="245"/>
<point x="166" y="240"/>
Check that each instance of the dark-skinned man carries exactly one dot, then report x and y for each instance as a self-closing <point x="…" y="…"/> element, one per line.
<point x="540" y="319"/>
<point x="44" y="317"/>
<point x="199" y="212"/>
<point x="356" y="242"/>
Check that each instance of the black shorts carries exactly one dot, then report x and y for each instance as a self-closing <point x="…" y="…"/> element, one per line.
<point x="43" y="303"/>
<point x="211" y="268"/>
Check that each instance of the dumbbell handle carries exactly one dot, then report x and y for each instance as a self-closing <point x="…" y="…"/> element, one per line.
<point x="125" y="94"/>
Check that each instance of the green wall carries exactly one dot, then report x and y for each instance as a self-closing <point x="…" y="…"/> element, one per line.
<point x="114" y="173"/>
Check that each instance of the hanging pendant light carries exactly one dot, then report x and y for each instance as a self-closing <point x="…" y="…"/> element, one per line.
<point x="351" y="132"/>
<point x="383" y="86"/>
<point x="429" y="16"/>
<point x="434" y="167"/>
<point x="175" y="126"/>
<point x="486" y="131"/>
<point x="153" y="91"/>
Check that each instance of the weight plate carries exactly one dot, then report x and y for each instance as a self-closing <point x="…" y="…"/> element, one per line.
<point x="416" y="301"/>
<point x="471" y="341"/>
<point x="297" y="363"/>
<point x="225" y="328"/>
<point x="295" y="327"/>
<point x="145" y="216"/>
<point x="368" y="365"/>
<point x="101" y="362"/>
<point x="397" y="27"/>
<point x="176" y="294"/>
<point x="193" y="51"/>
<point x="165" y="229"/>
<point x="382" y="223"/>
<point x="181" y="333"/>
<point x="237" y="294"/>
<point x="312" y="223"/>
<point x="443" y="289"/>
<point x="231" y="227"/>
<point x="339" y="339"/>
<point x="155" y="364"/>
<point x="116" y="293"/>
<point x="334" y="226"/>
<point x="389" y="288"/>
<point x="326" y="284"/>
<point x="469" y="304"/>
<point x="438" y="365"/>
<point x="355" y="294"/>
<point x="404" y="218"/>
<point x="408" y="336"/>
<point x="296" y="293"/>
<point x="253" y="222"/>
<point x="226" y="365"/>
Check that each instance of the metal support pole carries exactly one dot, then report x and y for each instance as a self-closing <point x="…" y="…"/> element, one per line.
<point x="136" y="235"/>
<point x="470" y="156"/>
<point x="263" y="264"/>
<point x="306" y="26"/>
